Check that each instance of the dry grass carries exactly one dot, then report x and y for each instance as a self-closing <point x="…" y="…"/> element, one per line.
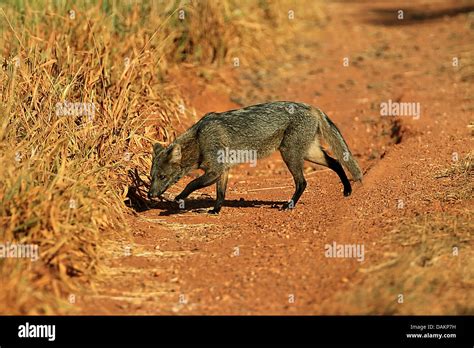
<point x="460" y="173"/>
<point x="463" y="167"/>
<point x="65" y="178"/>
<point x="428" y="259"/>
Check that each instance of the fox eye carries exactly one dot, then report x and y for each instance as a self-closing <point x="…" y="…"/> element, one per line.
<point x="162" y="177"/>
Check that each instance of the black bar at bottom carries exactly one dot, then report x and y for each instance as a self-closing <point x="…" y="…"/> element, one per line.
<point x="139" y="330"/>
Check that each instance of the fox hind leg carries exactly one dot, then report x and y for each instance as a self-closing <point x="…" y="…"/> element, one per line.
<point x="295" y="164"/>
<point x="336" y="166"/>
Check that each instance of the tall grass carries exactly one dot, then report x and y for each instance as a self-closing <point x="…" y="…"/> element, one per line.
<point x="65" y="177"/>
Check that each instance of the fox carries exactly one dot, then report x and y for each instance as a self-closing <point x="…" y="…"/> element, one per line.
<point x="295" y="129"/>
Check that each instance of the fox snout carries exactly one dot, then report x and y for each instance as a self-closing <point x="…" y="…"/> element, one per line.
<point x="152" y="194"/>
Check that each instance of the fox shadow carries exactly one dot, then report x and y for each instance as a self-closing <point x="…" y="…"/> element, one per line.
<point x="202" y="205"/>
<point x="199" y="205"/>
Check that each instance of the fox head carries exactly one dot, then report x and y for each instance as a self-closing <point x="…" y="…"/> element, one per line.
<point x="166" y="168"/>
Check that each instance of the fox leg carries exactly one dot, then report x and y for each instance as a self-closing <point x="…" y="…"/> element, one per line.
<point x="203" y="181"/>
<point x="316" y="154"/>
<point x="295" y="164"/>
<point x="221" y="186"/>
<point x="334" y="164"/>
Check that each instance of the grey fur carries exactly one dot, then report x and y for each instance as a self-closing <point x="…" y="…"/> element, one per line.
<point x="293" y="128"/>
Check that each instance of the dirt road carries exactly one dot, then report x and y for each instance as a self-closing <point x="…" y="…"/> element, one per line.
<point x="255" y="259"/>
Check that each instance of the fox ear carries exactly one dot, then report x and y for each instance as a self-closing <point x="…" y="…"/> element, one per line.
<point x="157" y="148"/>
<point x="175" y="154"/>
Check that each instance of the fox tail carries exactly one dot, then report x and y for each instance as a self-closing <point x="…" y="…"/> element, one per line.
<point x="331" y="134"/>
